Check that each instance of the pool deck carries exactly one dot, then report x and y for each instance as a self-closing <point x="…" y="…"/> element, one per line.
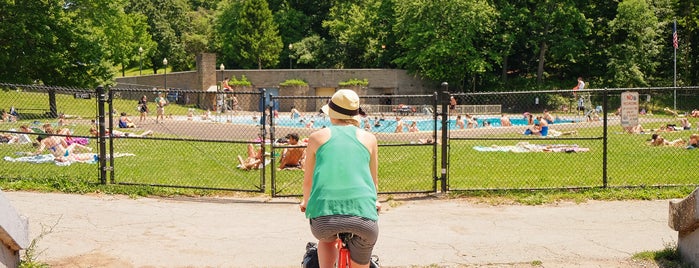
<point x="208" y="130"/>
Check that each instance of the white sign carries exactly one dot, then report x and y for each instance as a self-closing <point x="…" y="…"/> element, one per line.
<point x="629" y="109"/>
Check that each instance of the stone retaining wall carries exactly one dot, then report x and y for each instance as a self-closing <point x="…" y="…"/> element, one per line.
<point x="14" y="233"/>
<point x="684" y="218"/>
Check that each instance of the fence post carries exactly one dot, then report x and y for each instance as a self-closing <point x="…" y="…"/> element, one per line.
<point x="435" y="103"/>
<point x="604" y="137"/>
<point x="445" y="139"/>
<point x="272" y="137"/>
<point x="263" y="133"/>
<point x="101" y="98"/>
<point x="111" y="140"/>
<point x="53" y="111"/>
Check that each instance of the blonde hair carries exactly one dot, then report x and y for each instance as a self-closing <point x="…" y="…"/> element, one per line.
<point x="49" y="129"/>
<point x="349" y="121"/>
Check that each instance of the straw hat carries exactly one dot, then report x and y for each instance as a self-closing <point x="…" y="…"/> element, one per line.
<point x="343" y="105"/>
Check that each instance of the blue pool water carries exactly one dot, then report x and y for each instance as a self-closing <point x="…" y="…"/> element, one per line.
<point x="384" y="125"/>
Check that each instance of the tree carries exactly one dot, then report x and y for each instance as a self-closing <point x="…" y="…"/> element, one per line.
<point x="509" y="35"/>
<point x="308" y="51"/>
<point x="293" y="26"/>
<point x="595" y="64"/>
<point x="557" y="31"/>
<point x="167" y="22"/>
<point x="688" y="28"/>
<point x="247" y="34"/>
<point x="360" y="32"/>
<point x="43" y="41"/>
<point x="350" y="28"/>
<point x="443" y="39"/>
<point x="634" y="33"/>
<point x="200" y="31"/>
<point x="119" y="34"/>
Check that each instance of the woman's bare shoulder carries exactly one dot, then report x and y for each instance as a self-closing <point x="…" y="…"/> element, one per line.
<point x="319" y="136"/>
<point x="366" y="136"/>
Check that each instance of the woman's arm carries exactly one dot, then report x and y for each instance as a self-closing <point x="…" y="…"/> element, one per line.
<point x="309" y="167"/>
<point x="42" y="147"/>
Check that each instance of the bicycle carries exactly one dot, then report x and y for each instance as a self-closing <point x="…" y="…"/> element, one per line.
<point x="343" y="260"/>
<point x="343" y="256"/>
<point x="310" y="259"/>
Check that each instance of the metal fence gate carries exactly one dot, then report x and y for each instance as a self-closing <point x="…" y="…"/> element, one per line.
<point x="205" y="135"/>
<point x="407" y="158"/>
<point x="194" y="147"/>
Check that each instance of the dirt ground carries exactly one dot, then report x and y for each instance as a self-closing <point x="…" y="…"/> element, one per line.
<point x="118" y="231"/>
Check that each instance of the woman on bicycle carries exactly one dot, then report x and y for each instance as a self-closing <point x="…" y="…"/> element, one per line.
<point x="340" y="182"/>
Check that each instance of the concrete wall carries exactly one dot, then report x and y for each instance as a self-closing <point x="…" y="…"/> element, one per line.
<point x="14" y="233"/>
<point x="207" y="76"/>
<point x="684" y="218"/>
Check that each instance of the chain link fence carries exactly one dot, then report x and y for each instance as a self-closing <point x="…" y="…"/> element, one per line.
<point x="26" y="110"/>
<point x="195" y="140"/>
<point x="506" y="150"/>
<point x="405" y="127"/>
<point x="425" y="144"/>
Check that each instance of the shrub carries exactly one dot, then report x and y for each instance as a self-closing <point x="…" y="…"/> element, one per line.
<point x="294" y="82"/>
<point x="242" y="82"/>
<point x="355" y="82"/>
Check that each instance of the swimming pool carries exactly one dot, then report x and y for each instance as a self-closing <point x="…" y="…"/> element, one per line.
<point x="384" y="125"/>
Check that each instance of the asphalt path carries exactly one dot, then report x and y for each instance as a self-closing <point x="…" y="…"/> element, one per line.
<point x="117" y="231"/>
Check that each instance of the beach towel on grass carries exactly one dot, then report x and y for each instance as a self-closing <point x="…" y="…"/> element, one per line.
<point x="267" y="162"/>
<point x="525" y="147"/>
<point x="47" y="158"/>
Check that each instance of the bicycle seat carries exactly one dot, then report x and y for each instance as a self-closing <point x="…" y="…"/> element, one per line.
<point x="345" y="236"/>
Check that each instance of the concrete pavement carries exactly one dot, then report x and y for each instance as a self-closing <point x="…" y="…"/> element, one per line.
<point x="118" y="231"/>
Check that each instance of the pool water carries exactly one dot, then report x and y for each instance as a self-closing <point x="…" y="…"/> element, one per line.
<point x="384" y="125"/>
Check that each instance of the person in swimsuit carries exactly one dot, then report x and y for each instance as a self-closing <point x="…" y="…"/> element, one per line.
<point x="117" y="133"/>
<point x="540" y="129"/>
<point x="254" y="159"/>
<point x="693" y="141"/>
<point x="143" y="108"/>
<point x="160" y="103"/>
<point x="340" y="182"/>
<point x="62" y="152"/>
<point x="125" y="121"/>
<point x="657" y="140"/>
<point x="292" y="157"/>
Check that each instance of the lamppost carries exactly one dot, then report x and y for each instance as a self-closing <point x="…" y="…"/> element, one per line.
<point x="383" y="53"/>
<point x="140" y="59"/>
<point x="291" y="46"/>
<point x="165" y="63"/>
<point x="221" y="98"/>
<point x="220" y="84"/>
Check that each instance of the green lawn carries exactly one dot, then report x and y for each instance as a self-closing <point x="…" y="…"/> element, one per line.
<point x="67" y="104"/>
<point x="631" y="162"/>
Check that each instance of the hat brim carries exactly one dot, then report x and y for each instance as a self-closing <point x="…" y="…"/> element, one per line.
<point x="333" y="114"/>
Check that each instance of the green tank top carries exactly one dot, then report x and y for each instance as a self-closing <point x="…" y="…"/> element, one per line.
<point x="342" y="183"/>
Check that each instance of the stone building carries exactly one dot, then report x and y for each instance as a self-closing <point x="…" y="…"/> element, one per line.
<point x="321" y="82"/>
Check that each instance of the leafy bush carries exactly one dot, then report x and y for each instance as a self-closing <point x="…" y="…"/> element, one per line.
<point x="294" y="82"/>
<point x="242" y="82"/>
<point x="355" y="82"/>
<point x="554" y="102"/>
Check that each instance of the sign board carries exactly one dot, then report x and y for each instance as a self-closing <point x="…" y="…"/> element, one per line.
<point x="82" y="96"/>
<point x="629" y="109"/>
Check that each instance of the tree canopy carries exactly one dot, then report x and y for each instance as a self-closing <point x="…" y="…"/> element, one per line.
<point x="475" y="45"/>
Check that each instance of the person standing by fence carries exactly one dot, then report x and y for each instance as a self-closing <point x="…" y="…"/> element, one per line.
<point x="143" y="108"/>
<point x="579" y="86"/>
<point x="160" y="103"/>
<point x="340" y="192"/>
